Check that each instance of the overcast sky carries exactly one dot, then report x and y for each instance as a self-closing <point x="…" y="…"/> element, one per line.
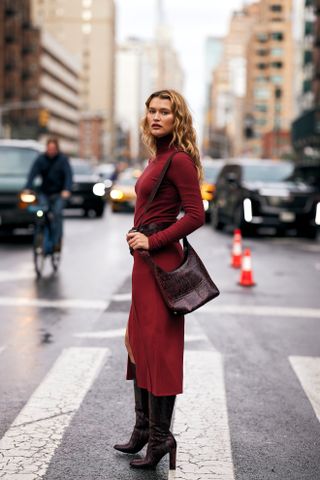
<point x="191" y="21"/>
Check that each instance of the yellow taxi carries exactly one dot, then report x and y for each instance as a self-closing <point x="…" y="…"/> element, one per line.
<point x="122" y="193"/>
<point x="211" y="169"/>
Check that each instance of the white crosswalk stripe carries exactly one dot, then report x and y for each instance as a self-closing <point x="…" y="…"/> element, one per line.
<point x="201" y="421"/>
<point x="307" y="370"/>
<point x="29" y="444"/>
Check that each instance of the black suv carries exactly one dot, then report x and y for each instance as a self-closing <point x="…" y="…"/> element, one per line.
<point x="88" y="191"/>
<point x="266" y="193"/>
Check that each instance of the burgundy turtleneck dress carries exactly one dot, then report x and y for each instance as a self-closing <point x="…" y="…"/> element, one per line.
<point x="156" y="335"/>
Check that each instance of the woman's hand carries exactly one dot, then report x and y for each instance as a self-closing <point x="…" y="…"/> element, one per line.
<point x="137" y="240"/>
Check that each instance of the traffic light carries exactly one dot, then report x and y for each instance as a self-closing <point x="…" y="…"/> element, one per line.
<point x="43" y="117"/>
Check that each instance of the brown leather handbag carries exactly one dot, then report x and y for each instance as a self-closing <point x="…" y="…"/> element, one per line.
<point x="189" y="286"/>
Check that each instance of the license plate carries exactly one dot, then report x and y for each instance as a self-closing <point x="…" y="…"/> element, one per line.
<point x="287" y="216"/>
<point x="76" y="200"/>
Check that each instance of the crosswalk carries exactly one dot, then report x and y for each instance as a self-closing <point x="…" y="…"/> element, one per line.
<point x="201" y="422"/>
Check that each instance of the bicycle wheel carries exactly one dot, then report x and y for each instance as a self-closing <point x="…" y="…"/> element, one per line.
<point x="38" y="252"/>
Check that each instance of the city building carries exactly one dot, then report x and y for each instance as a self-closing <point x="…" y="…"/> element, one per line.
<point x="213" y="54"/>
<point x="269" y="103"/>
<point x="39" y="81"/>
<point x="228" y="86"/>
<point x="142" y="67"/>
<point x="306" y="127"/>
<point x="19" y="70"/>
<point x="59" y="85"/>
<point x="86" y="28"/>
<point x="135" y="80"/>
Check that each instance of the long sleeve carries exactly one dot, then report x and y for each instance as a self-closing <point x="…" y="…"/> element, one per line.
<point x="183" y="174"/>
<point x="68" y="175"/>
<point x="35" y="170"/>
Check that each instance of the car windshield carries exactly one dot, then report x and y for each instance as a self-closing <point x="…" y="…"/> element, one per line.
<point x="15" y="161"/>
<point x="307" y="174"/>
<point x="210" y="173"/>
<point x="267" y="173"/>
<point x="82" y="168"/>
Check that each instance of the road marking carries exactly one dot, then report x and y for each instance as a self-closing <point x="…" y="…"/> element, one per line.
<point x="204" y="448"/>
<point x="7" y="276"/>
<point x="262" y="310"/>
<point x="307" y="370"/>
<point x="28" y="446"/>
<point x="121" y="331"/>
<point x="102" y="334"/>
<point x="121" y="297"/>
<point x="48" y="303"/>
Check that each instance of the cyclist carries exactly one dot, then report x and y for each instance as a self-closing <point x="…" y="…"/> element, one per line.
<point x="54" y="169"/>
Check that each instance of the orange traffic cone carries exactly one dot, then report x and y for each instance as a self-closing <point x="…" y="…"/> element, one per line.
<point x="246" y="277"/>
<point x="236" y="253"/>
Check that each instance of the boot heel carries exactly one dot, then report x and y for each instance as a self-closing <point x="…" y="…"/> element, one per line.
<point x="172" y="458"/>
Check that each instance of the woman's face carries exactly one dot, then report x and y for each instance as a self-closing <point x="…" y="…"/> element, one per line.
<point x="160" y="117"/>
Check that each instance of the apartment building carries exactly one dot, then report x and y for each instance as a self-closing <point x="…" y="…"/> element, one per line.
<point x="86" y="28"/>
<point x="268" y="109"/>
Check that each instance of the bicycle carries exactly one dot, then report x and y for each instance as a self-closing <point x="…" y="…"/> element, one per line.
<point x="42" y="241"/>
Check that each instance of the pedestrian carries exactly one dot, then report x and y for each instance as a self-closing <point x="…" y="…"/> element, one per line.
<point x="54" y="169"/>
<point x="154" y="335"/>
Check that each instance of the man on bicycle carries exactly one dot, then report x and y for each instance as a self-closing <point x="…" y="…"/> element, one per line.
<point x="54" y="169"/>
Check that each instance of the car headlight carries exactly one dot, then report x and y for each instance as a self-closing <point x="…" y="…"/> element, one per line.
<point x="116" y="194"/>
<point x="317" y="219"/>
<point x="247" y="210"/>
<point x="99" y="189"/>
<point x="205" y="204"/>
<point x="27" y="197"/>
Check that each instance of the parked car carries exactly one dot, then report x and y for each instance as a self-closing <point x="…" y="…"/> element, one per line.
<point x="105" y="172"/>
<point x="88" y="191"/>
<point x="211" y="169"/>
<point x="16" y="159"/>
<point x="123" y="195"/>
<point x="265" y="193"/>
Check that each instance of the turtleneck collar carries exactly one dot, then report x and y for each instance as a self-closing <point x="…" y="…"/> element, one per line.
<point x="163" y="143"/>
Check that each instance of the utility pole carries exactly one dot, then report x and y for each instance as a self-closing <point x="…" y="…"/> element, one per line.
<point x="8" y="107"/>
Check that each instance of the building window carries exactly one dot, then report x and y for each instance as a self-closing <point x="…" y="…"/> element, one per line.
<point x="262" y="52"/>
<point x="277" y="107"/>
<point x="261" y="121"/>
<point x="262" y="37"/>
<point x="262" y="93"/>
<point x="278" y="93"/>
<point x="276" y="79"/>
<point x="86" y="28"/>
<point x="276" y="8"/>
<point x="276" y="52"/>
<point x="279" y="36"/>
<point x="261" y="79"/>
<point x="276" y="64"/>
<point x="262" y="66"/>
<point x="261" y="108"/>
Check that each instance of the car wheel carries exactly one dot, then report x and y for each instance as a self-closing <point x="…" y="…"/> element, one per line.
<point x="215" y="219"/>
<point x="308" y="232"/>
<point x="99" y="212"/>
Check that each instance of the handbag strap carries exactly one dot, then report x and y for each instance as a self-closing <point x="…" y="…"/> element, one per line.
<point x="159" y="181"/>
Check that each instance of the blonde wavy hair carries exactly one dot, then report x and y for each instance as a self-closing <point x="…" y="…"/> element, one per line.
<point x="183" y="135"/>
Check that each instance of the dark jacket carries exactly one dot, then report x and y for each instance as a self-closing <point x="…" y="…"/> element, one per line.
<point x="56" y="173"/>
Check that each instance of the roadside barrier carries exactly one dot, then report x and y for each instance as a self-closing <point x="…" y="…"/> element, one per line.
<point x="236" y="254"/>
<point x="246" y="275"/>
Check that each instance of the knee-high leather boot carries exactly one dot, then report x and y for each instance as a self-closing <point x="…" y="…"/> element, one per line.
<point x="161" y="440"/>
<point x="140" y="434"/>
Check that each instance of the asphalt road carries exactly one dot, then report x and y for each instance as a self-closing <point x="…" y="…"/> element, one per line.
<point x="251" y="407"/>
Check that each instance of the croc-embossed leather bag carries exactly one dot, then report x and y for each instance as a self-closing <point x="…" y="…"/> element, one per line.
<point x="189" y="286"/>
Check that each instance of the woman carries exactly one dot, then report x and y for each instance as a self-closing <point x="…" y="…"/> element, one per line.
<point x="155" y="336"/>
